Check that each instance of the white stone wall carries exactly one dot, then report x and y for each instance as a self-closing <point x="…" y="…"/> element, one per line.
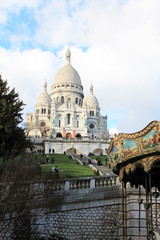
<point x="84" y="147"/>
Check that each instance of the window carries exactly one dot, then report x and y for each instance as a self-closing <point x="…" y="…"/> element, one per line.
<point x="91" y="113"/>
<point x="62" y="99"/>
<point x="43" y="111"/>
<point x="77" y="124"/>
<point x="42" y="124"/>
<point x="68" y="118"/>
<point x="91" y="125"/>
<point x="59" y="123"/>
<point x="69" y="103"/>
<point x="76" y="101"/>
<point x="80" y="102"/>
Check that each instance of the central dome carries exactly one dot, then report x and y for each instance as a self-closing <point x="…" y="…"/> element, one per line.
<point x="67" y="74"/>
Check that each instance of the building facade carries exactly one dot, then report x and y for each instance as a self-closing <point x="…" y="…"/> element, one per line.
<point x="65" y="116"/>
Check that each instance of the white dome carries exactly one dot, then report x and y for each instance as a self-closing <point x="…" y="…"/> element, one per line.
<point x="44" y="97"/>
<point x="91" y="100"/>
<point x="67" y="74"/>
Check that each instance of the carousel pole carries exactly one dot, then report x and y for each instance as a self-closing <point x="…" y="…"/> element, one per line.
<point x="125" y="204"/>
<point x="150" y="188"/>
<point x="147" y="204"/>
<point x="139" y="211"/>
<point x="156" y="194"/>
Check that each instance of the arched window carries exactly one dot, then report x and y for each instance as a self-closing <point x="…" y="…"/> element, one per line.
<point x="49" y="111"/>
<point x="59" y="123"/>
<point x="91" y="113"/>
<point x="68" y="118"/>
<point x="80" y="102"/>
<point x="76" y="101"/>
<point x="59" y="120"/>
<point x="62" y="99"/>
<point x="77" y="124"/>
<point x="43" y="111"/>
<point x="68" y="103"/>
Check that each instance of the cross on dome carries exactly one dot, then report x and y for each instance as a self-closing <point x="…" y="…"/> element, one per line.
<point x="45" y="85"/>
<point x="91" y="88"/>
<point x="68" y="56"/>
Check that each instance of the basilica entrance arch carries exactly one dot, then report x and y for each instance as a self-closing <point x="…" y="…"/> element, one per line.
<point x="98" y="151"/>
<point x="78" y="135"/>
<point x="72" y="151"/>
<point x="59" y="135"/>
<point x="68" y="135"/>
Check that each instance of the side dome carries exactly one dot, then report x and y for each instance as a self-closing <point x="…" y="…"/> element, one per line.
<point x="67" y="74"/>
<point x="44" y="97"/>
<point x="91" y="100"/>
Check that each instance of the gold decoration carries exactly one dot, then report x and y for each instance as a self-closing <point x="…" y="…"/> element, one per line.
<point x="139" y="200"/>
<point x="146" y="205"/>
<point x="155" y="194"/>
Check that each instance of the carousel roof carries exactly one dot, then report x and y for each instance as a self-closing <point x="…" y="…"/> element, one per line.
<point x="134" y="156"/>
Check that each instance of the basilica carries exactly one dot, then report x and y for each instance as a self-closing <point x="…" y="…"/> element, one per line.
<point x="65" y="121"/>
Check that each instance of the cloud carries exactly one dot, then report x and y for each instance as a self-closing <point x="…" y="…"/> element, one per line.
<point x="113" y="131"/>
<point x="114" y="44"/>
<point x="27" y="71"/>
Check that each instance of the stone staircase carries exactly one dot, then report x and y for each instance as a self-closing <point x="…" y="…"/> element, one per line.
<point x="103" y="169"/>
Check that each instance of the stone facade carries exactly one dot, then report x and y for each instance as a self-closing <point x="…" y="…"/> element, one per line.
<point x="66" y="114"/>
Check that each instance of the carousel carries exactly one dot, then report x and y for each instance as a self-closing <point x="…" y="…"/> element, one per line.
<point x="135" y="158"/>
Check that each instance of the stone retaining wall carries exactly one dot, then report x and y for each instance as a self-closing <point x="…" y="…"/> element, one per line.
<point x="88" y="209"/>
<point x="97" y="223"/>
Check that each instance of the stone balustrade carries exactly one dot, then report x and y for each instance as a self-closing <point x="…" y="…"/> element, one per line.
<point x="81" y="183"/>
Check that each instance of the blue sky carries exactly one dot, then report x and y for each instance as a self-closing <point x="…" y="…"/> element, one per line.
<point x="115" y="44"/>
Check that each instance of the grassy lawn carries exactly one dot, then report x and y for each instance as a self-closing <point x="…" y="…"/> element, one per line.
<point x="67" y="167"/>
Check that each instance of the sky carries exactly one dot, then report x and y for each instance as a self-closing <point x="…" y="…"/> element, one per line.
<point x="115" y="44"/>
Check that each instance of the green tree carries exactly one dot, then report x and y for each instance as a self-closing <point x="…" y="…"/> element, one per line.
<point x="12" y="137"/>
